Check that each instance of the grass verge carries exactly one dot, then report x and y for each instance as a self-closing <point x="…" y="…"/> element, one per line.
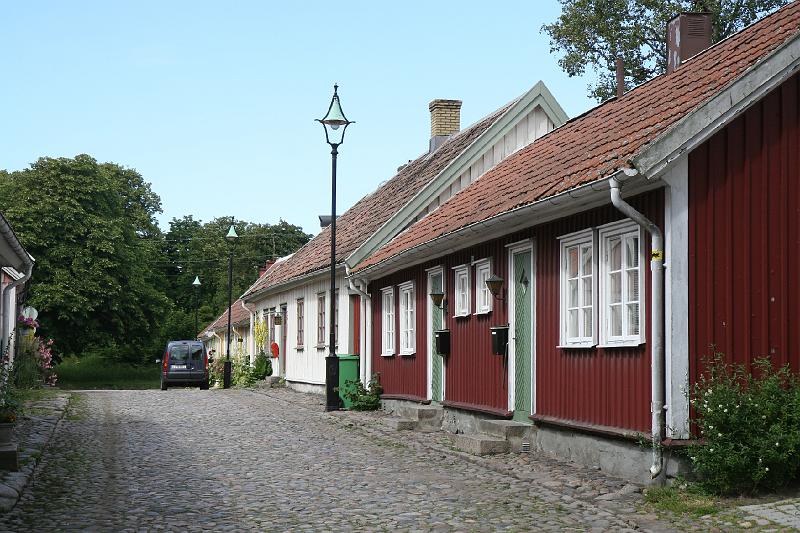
<point x="685" y="499"/>
<point x="94" y="372"/>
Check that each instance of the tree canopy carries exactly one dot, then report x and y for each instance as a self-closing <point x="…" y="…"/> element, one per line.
<point x="106" y="277"/>
<point x="592" y="34"/>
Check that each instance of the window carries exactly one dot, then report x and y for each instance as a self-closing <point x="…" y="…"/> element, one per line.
<point x="462" y="290"/>
<point x="483" y="297"/>
<point x="407" y="319"/>
<point x="300" y="323"/>
<point x="577" y="289"/>
<point x="387" y="311"/>
<point x="621" y="277"/>
<point x="320" y="319"/>
<point x="271" y="337"/>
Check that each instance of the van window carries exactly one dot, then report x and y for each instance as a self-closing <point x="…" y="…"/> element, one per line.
<point x="179" y="353"/>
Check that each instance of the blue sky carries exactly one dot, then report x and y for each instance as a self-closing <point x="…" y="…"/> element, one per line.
<point x="214" y="102"/>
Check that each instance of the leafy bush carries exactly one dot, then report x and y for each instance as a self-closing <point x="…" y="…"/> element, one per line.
<point x="242" y="373"/>
<point x="364" y="399"/>
<point x="33" y="365"/>
<point x="262" y="366"/>
<point x="750" y="427"/>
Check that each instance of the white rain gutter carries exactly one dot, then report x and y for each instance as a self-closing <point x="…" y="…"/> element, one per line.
<point x="352" y="287"/>
<point x="251" y="345"/>
<point x="657" y="321"/>
<point x="27" y="263"/>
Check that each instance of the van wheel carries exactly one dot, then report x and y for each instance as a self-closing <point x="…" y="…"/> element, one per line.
<point x="204" y="385"/>
<point x="163" y="385"/>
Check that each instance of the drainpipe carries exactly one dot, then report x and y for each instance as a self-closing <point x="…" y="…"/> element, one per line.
<point x="657" y="324"/>
<point x="366" y="331"/>
<point x="251" y="345"/>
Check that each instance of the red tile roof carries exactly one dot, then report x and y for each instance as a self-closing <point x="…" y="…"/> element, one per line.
<point x="359" y="222"/>
<point x="601" y="141"/>
<point x="238" y="316"/>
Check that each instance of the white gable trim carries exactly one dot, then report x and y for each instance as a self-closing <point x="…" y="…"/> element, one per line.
<point x="704" y="121"/>
<point x="538" y="95"/>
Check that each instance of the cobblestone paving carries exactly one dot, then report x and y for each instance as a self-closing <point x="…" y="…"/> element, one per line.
<point x="189" y="460"/>
<point x="194" y="460"/>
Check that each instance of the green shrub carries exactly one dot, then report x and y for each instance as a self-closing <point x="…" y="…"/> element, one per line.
<point x="96" y="372"/>
<point x="262" y="366"/>
<point x="242" y="373"/>
<point x="750" y="427"/>
<point x="364" y="399"/>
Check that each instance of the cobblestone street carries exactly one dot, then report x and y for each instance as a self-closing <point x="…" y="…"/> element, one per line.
<point x="190" y="460"/>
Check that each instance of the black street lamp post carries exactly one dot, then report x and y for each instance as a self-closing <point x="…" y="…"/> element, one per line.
<point x="196" y="285"/>
<point x="231" y="238"/>
<point x="333" y="120"/>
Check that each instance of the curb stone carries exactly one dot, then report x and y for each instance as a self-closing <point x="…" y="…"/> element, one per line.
<point x="34" y="433"/>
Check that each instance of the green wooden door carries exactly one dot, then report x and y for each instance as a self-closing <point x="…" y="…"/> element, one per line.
<point x="435" y="285"/>
<point x="522" y="335"/>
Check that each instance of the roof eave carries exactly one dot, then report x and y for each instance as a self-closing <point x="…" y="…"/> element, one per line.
<point x="575" y="200"/>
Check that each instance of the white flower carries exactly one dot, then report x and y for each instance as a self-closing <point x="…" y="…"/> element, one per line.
<point x="766" y="469"/>
<point x="711" y="450"/>
<point x="720" y="406"/>
<point x="763" y="417"/>
<point x="777" y="445"/>
<point x="710" y="427"/>
<point x="725" y="411"/>
<point x="759" y="459"/>
<point x="719" y="434"/>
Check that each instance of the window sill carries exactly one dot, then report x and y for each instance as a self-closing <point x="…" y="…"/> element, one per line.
<point x="482" y="313"/>
<point x="466" y="315"/>
<point x="627" y="344"/>
<point x="578" y="346"/>
<point x="321" y="346"/>
<point x="387" y="354"/>
<point x="299" y="348"/>
<point x="408" y="354"/>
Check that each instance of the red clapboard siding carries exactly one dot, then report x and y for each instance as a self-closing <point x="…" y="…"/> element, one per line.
<point x="744" y="240"/>
<point x="605" y="387"/>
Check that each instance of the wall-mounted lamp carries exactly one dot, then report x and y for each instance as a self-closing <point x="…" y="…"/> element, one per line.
<point x="495" y="285"/>
<point x="439" y="300"/>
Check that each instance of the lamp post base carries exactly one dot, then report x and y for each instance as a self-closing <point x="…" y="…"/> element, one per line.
<point x="332" y="383"/>
<point x="226" y="376"/>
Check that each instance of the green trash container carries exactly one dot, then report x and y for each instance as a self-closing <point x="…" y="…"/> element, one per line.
<point x="348" y="371"/>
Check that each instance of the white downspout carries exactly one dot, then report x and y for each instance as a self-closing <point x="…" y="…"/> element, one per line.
<point x="657" y="323"/>
<point x="364" y="326"/>
<point x="251" y="344"/>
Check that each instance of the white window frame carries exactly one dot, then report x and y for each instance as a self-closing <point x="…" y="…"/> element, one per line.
<point x="300" y="316"/>
<point x="408" y="318"/>
<point x="581" y="239"/>
<point x="623" y="229"/>
<point x="322" y="318"/>
<point x="463" y="299"/>
<point x="387" y="322"/>
<point x="483" y="296"/>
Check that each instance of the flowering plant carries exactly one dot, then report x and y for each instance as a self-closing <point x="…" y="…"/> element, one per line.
<point x="27" y="322"/>
<point x="749" y="422"/>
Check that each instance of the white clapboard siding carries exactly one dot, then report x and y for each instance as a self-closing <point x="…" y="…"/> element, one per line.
<point x="306" y="364"/>
<point x="535" y="124"/>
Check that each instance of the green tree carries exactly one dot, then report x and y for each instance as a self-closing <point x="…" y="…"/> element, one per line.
<point x="92" y="231"/>
<point x="592" y="34"/>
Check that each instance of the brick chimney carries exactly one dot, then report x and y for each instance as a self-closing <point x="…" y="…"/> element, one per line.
<point x="445" y="121"/>
<point x="266" y="267"/>
<point x="688" y="34"/>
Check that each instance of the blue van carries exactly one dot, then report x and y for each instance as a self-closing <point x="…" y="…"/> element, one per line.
<point x="185" y="363"/>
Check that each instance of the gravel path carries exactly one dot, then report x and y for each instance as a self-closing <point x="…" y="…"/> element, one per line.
<point x="189" y="460"/>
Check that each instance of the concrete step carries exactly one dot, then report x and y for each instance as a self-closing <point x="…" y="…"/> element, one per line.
<point x="428" y="417"/>
<point x="478" y="444"/>
<point x="400" y="424"/>
<point x="506" y="429"/>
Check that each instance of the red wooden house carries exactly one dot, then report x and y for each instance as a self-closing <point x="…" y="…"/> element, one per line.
<point x="704" y="164"/>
